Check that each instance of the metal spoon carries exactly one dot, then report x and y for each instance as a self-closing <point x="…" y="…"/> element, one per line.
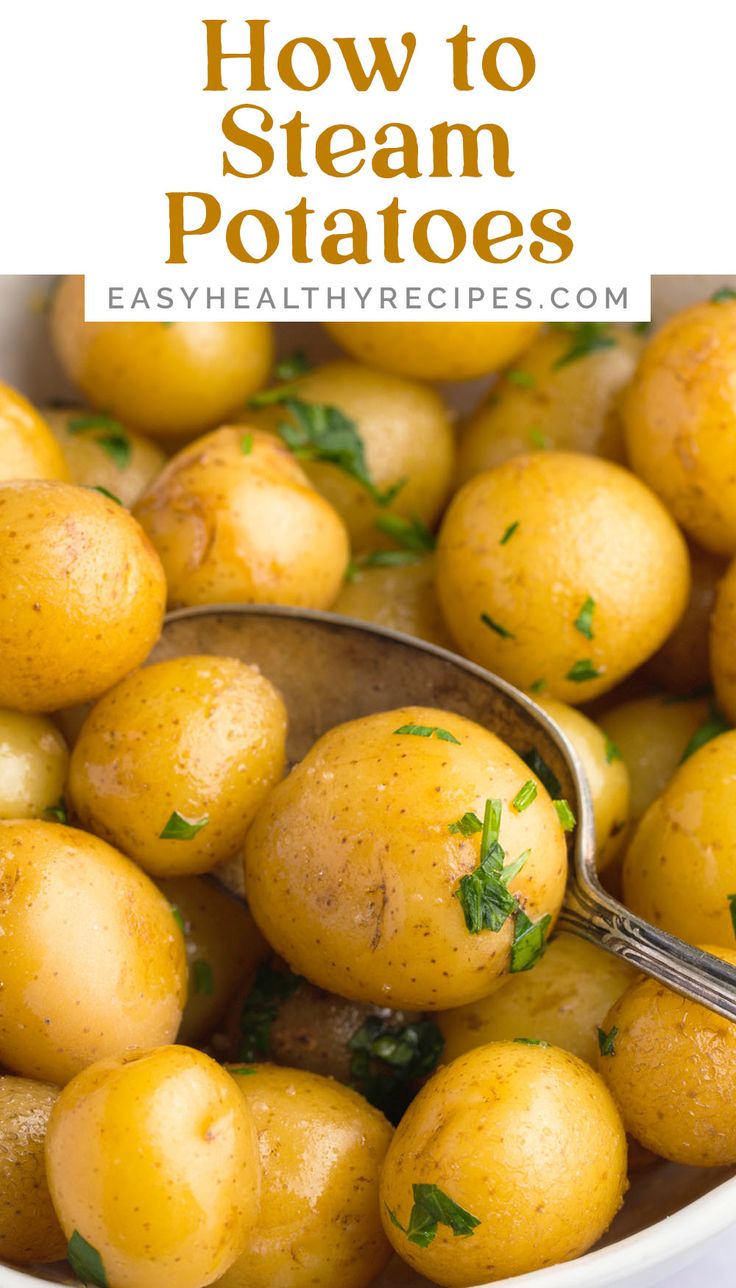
<point x="330" y="669"/>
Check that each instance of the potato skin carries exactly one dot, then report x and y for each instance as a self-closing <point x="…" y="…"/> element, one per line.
<point x="82" y="593"/>
<point x="562" y="1000"/>
<point x="722" y="648"/>
<point x="92" y="465"/>
<point x="434" y="350"/>
<point x="243" y="527"/>
<point x="154" y="1160"/>
<point x="401" y="597"/>
<point x="680" y="867"/>
<point x="91" y="958"/>
<point x="682" y="665"/>
<point x="672" y="1072"/>
<point x="224" y="947"/>
<point x="620" y="548"/>
<point x="168" y="379"/>
<point x="352" y="873"/>
<point x="29" y="1228"/>
<point x="680" y="419"/>
<point x="27" y="446"/>
<point x="322" y="1148"/>
<point x="607" y="775"/>
<point x="33" y="765"/>
<point x="652" y="734"/>
<point x="571" y="407"/>
<point x="490" y="1130"/>
<point x="200" y="736"/>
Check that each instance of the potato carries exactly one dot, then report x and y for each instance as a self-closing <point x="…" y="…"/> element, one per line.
<point x="555" y="399"/>
<point x="353" y="871"/>
<point x="172" y="764"/>
<point x="680" y="420"/>
<point x="400" y="595"/>
<point x="406" y="436"/>
<point x="27" y="447"/>
<point x="722" y="647"/>
<point x="33" y="765"/>
<point x="434" y="350"/>
<point x="560" y="569"/>
<point x="652" y="735"/>
<point x="153" y="1168"/>
<point x="82" y="593"/>
<point x="29" y="1229"/>
<point x="235" y="520"/>
<point x="100" y="452"/>
<point x="91" y="959"/>
<point x="606" y="773"/>
<point x="682" y="665"/>
<point x="670" y="1064"/>
<point x="224" y="947"/>
<point x="322" y="1148"/>
<point x="519" y="1150"/>
<point x="168" y="379"/>
<point x="680" y="868"/>
<point x="562" y="1001"/>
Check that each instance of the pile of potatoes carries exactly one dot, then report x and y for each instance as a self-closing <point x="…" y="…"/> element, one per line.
<point x="383" y="1047"/>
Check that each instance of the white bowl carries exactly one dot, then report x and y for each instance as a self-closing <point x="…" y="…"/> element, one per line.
<point x="670" y="1212"/>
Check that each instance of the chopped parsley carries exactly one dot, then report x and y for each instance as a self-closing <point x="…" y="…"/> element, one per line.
<point x="409" y="534"/>
<point x="565" y="815"/>
<point x="432" y="1207"/>
<point x="732" y="909"/>
<point x="497" y="627"/>
<point x="202" y="978"/>
<point x="97" y="487"/>
<point x="176" y="914"/>
<point x="80" y="424"/>
<point x="524" y="379"/>
<point x="297" y="364"/>
<point x="380" y="559"/>
<point x="583" y="670"/>
<point x="318" y="432"/>
<point x="386" y="1062"/>
<point x="114" y="440"/>
<point x="483" y="894"/>
<point x="525" y="796"/>
<point x="508" y="534"/>
<point x="585" y="338"/>
<point x="613" y="751"/>
<point x="241" y="1070"/>
<point x="261" y="1007"/>
<point x="468" y="825"/>
<point x="723" y="295"/>
<point x="530" y="941"/>
<point x="531" y="1042"/>
<point x="426" y="731"/>
<point x="706" y="732"/>
<point x="86" y="1262"/>
<point x="58" y="812"/>
<point x="246" y="444"/>
<point x="179" y="828"/>
<point x="538" y="686"/>
<point x="537" y="438"/>
<point x="584" y="619"/>
<point x="542" y="770"/>
<point x="606" y="1041"/>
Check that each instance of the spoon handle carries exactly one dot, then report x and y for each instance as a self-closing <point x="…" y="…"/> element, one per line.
<point x="594" y="915"/>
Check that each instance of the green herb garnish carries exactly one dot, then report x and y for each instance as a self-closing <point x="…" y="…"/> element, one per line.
<point x="176" y="914"/>
<point x="386" y="1062"/>
<point x="97" y="487"/>
<point x="58" y="812"/>
<point x="246" y="444"/>
<point x="585" y="338"/>
<point x="538" y="686"/>
<point x="531" y="1042"/>
<point x="241" y="1070"/>
<point x="297" y="364"/>
<point x="723" y="295"/>
<point x="497" y="627"/>
<point x="202" y="978"/>
<point x="79" y="424"/>
<point x="584" y="619"/>
<point x="582" y="670"/>
<point x="542" y="770"/>
<point x="318" y="432"/>
<point x="606" y="1041"/>
<point x="432" y="1207"/>
<point x="613" y="751"/>
<point x="483" y="894"/>
<point x="641" y="328"/>
<point x="114" y="440"/>
<point x="383" y="559"/>
<point x="732" y="909"/>
<point x="85" y="1261"/>
<point x="529" y="941"/>
<point x="710" y="729"/>
<point x="524" y="379"/>
<point x="565" y="815"/>
<point x="537" y="438"/>
<point x="508" y="534"/>
<point x="525" y="796"/>
<point x="409" y="534"/>
<point x="261" y="1007"/>
<point x="179" y="828"/>
<point x="426" y="731"/>
<point x="467" y="825"/>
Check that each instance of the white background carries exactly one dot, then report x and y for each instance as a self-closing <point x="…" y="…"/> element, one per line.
<point x="626" y="125"/>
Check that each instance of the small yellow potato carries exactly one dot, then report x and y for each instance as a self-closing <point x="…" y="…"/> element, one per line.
<point x="322" y="1148"/>
<point x="401" y="596"/>
<point x="652" y="735"/>
<point x="168" y="379"/>
<point x="172" y="764"/>
<point x="434" y="350"/>
<point x="236" y="520"/>
<point x="33" y="765"/>
<point x="27" y="446"/>
<point x="606" y="772"/>
<point x="682" y="665"/>
<point x="100" y="452"/>
<point x="563" y="1001"/>
<point x="92" y="961"/>
<point x="82" y="595"/>
<point x="29" y="1228"/>
<point x="680" y="419"/>
<point x="512" y="1158"/>
<point x="670" y="1065"/>
<point x="224" y="947"/>
<point x="564" y="394"/>
<point x="723" y="644"/>
<point x="407" y="439"/>
<point x="680" y="867"/>
<point x="562" y="570"/>
<point x="153" y="1167"/>
<point x="356" y="877"/>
